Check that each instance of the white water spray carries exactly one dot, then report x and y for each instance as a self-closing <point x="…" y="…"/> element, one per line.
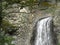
<point x="44" y="35"/>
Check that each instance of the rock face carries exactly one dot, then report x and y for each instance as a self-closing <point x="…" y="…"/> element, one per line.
<point x="43" y="33"/>
<point x="25" y="9"/>
<point x="25" y="22"/>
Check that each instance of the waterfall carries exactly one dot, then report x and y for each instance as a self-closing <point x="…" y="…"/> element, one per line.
<point x="44" y="34"/>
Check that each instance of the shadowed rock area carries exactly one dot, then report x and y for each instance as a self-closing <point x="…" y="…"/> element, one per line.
<point x="26" y="22"/>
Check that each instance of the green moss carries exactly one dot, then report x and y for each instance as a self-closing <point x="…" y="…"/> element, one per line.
<point x="58" y="43"/>
<point x="47" y="4"/>
<point x="8" y="28"/>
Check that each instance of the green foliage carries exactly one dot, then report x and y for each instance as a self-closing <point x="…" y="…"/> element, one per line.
<point x="5" y="39"/>
<point x="6" y="24"/>
<point x="0" y="12"/>
<point x="8" y="40"/>
<point x="4" y="5"/>
<point x="5" y="30"/>
<point x="8" y="28"/>
<point x="21" y="2"/>
<point x="13" y="1"/>
<point x="29" y="3"/>
<point x="58" y="43"/>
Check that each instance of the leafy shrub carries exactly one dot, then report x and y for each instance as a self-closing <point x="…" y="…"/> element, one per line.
<point x="5" y="30"/>
<point x="5" y="39"/>
<point x="8" y="28"/>
<point x="58" y="43"/>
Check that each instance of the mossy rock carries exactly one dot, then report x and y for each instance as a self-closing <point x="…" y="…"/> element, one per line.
<point x="8" y="28"/>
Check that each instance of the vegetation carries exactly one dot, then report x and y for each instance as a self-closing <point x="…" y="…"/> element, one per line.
<point x="7" y="29"/>
<point x="5" y="39"/>
<point x="6" y="32"/>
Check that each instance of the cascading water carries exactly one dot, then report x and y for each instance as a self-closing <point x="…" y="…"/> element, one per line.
<point x="44" y="34"/>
